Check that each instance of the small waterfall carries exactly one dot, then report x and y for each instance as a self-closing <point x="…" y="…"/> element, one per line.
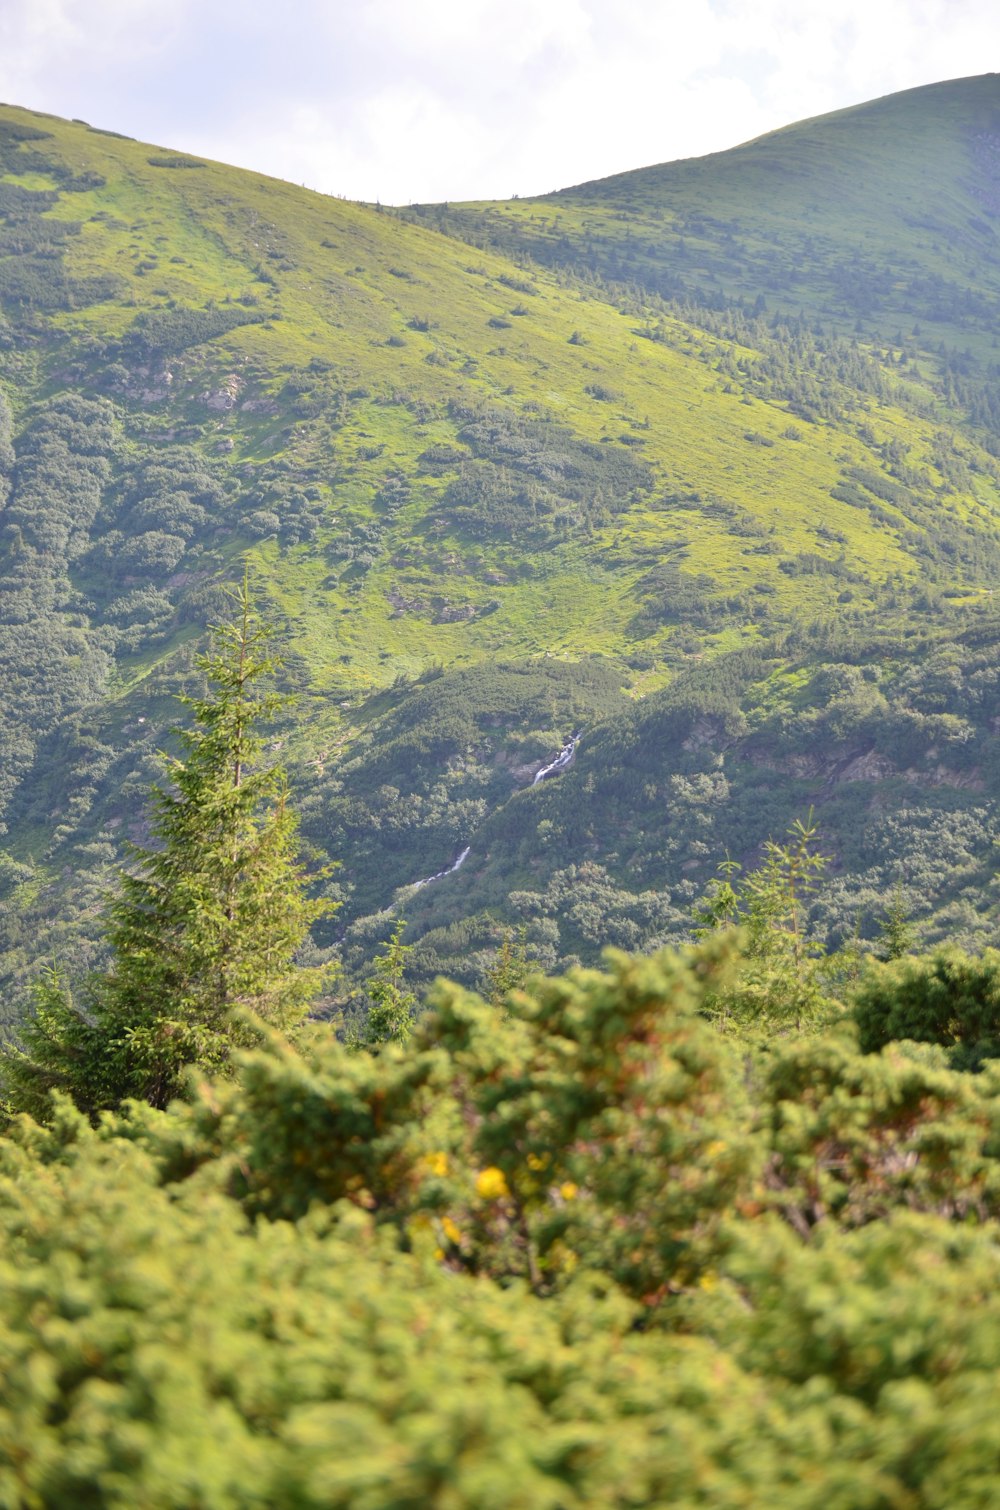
<point x="562" y="760"/>
<point x="442" y="873"/>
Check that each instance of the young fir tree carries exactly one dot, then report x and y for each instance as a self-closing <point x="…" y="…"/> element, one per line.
<point x="392" y="1008"/>
<point x="510" y="968"/>
<point x="897" y="934"/>
<point x="205" y="929"/>
<point x="777" y="984"/>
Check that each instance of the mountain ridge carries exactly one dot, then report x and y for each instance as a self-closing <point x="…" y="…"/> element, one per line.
<point x="845" y="116"/>
<point x="492" y="493"/>
<point x="761" y="217"/>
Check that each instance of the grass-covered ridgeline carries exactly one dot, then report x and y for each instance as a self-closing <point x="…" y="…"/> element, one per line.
<point x="872" y="218"/>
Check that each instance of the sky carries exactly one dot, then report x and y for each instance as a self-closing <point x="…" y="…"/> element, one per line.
<point x="408" y="101"/>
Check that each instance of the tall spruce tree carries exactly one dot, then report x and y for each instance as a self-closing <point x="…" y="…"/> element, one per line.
<point x="205" y="926"/>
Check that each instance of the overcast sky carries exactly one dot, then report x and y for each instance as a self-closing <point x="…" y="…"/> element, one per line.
<point x="416" y="100"/>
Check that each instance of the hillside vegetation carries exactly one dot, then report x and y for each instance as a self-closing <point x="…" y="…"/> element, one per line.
<point x="636" y="486"/>
<point x="699" y="462"/>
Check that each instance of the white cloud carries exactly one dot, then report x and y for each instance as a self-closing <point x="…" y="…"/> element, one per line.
<point x="434" y="99"/>
<point x="46" y="42"/>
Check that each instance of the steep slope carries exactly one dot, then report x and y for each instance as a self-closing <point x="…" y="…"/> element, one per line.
<point x="488" y="501"/>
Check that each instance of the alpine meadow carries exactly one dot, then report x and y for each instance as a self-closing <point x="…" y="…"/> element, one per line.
<point x="499" y="758"/>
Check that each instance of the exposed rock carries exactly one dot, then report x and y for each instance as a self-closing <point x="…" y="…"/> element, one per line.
<point x="526" y="773"/>
<point x="804" y="767"/>
<point x="454" y="614"/>
<point x="868" y="767"/>
<point x="402" y="604"/>
<point x="224" y="398"/>
<point x="523" y="772"/>
<point x="149" y="386"/>
<point x="708" y="731"/>
<point x="942" y="775"/>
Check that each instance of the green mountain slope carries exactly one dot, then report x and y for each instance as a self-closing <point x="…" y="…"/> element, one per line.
<point x="634" y="464"/>
<point x="880" y="213"/>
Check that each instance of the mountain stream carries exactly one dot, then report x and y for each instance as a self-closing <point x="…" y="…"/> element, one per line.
<point x="561" y="763"/>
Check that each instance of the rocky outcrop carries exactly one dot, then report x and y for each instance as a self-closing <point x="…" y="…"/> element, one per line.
<point x="401" y="604"/>
<point x="942" y="775"/>
<point x="869" y="766"/>
<point x="149" y="385"/>
<point x="224" y="398"/>
<point x="864" y="765"/>
<point x="706" y="730"/>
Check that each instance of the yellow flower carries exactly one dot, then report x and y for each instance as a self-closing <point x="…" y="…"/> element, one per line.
<point x="708" y="1281"/>
<point x="436" y="1163"/>
<point x="491" y="1184"/>
<point x="450" y="1230"/>
<point x="569" y="1191"/>
<point x="535" y="1162"/>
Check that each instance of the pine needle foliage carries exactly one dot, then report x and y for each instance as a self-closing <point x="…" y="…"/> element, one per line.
<point x="510" y="968"/>
<point x="897" y="935"/>
<point x="590" y="1253"/>
<point x="205" y="928"/>
<point x="777" y="983"/>
<point x="392" y="1007"/>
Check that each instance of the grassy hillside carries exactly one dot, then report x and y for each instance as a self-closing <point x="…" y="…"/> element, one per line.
<point x="883" y="213"/>
<point x="640" y="439"/>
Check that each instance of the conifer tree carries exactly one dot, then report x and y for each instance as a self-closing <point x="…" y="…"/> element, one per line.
<point x="897" y="935"/>
<point x="510" y="968"/>
<point x="777" y="982"/>
<point x="392" y="1009"/>
<point x="205" y="927"/>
